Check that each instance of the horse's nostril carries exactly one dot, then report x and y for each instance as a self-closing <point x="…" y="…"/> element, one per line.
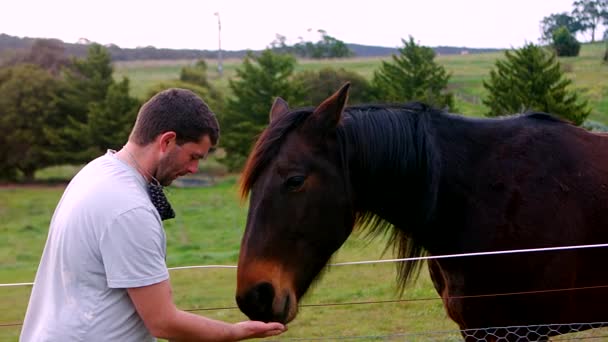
<point x="256" y="303"/>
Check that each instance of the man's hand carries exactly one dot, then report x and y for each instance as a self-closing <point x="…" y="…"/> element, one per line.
<point x="255" y="329"/>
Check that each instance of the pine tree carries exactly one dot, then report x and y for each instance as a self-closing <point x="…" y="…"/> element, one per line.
<point x="530" y="79"/>
<point x="110" y="121"/>
<point x="96" y="108"/>
<point x="260" y="79"/>
<point x="413" y="75"/>
<point x="87" y="81"/>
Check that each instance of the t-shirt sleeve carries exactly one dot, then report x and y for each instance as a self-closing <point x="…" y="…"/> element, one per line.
<point x="133" y="250"/>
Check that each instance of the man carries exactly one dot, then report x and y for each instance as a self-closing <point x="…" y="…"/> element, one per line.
<point x="102" y="276"/>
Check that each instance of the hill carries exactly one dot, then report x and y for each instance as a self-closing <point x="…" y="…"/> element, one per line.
<point x="10" y="44"/>
<point x="380" y="51"/>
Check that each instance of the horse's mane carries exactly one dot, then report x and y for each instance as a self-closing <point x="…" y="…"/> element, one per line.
<point x="399" y="138"/>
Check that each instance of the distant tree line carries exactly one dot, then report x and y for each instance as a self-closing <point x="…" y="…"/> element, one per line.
<point x="56" y="110"/>
<point x="10" y="45"/>
<point x="326" y="47"/>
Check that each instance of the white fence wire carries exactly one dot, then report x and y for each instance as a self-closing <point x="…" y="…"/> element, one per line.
<point x="574" y="331"/>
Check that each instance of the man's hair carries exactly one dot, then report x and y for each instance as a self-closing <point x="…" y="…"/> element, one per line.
<point x="177" y="110"/>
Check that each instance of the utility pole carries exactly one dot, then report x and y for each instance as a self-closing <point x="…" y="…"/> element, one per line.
<point x="220" y="68"/>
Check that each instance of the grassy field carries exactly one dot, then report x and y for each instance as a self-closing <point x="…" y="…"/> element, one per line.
<point x="207" y="231"/>
<point x="586" y="71"/>
<point x="210" y="221"/>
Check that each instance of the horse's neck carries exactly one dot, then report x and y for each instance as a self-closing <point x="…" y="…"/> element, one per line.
<point x="397" y="176"/>
<point x="394" y="174"/>
<point x="464" y="143"/>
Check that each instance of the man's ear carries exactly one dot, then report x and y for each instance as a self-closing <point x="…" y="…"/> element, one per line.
<point x="165" y="140"/>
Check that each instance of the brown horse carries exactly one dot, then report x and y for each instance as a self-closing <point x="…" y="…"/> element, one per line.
<point x="442" y="184"/>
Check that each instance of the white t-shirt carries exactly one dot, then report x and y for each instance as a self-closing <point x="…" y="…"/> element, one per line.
<point x="105" y="236"/>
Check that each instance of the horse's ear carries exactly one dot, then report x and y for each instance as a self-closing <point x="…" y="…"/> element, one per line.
<point x="279" y="108"/>
<point x="327" y="115"/>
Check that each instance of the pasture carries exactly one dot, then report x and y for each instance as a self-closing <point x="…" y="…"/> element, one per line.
<point x="349" y="301"/>
<point x="207" y="231"/>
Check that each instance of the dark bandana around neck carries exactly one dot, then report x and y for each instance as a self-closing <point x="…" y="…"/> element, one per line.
<point x="158" y="198"/>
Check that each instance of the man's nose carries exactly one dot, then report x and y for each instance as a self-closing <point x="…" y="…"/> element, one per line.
<point x="193" y="167"/>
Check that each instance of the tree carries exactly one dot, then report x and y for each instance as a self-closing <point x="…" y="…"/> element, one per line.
<point x="413" y="75"/>
<point x="45" y="55"/>
<point x="28" y="118"/>
<point x="279" y="45"/>
<point x="530" y="79"/>
<point x="197" y="76"/>
<point x="605" y="36"/>
<point x="215" y="103"/>
<point x="94" y="105"/>
<point x="554" y="21"/>
<point x="49" y="54"/>
<point x="332" y="47"/>
<point x="589" y="14"/>
<point x="564" y="43"/>
<point x="259" y="80"/>
<point x="326" y="47"/>
<point x="316" y="86"/>
<point x="109" y="121"/>
<point x="87" y="81"/>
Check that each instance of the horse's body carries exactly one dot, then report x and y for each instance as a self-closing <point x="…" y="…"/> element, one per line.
<point x="445" y="185"/>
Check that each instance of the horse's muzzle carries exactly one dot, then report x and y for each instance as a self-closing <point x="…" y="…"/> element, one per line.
<point x="262" y="303"/>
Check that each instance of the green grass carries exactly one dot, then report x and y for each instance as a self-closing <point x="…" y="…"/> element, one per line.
<point x="57" y="173"/>
<point x="207" y="230"/>
<point x="24" y="218"/>
<point x="145" y="74"/>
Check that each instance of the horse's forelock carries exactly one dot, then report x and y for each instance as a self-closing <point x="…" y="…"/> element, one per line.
<point x="267" y="146"/>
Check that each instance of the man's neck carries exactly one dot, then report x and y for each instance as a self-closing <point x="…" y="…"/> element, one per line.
<point x="140" y="158"/>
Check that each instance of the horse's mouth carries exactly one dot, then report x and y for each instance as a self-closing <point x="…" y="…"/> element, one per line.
<point x="284" y="316"/>
<point x="261" y="304"/>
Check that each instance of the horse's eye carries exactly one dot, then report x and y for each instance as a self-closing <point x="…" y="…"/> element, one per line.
<point x="294" y="183"/>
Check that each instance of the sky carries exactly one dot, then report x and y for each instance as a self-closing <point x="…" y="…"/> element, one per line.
<point x="254" y="24"/>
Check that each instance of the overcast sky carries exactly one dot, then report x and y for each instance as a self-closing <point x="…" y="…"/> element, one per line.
<point x="253" y="24"/>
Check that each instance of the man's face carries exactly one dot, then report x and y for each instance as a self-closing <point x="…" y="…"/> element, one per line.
<point x="181" y="160"/>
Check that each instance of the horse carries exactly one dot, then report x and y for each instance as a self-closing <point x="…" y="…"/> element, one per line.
<point x="439" y="184"/>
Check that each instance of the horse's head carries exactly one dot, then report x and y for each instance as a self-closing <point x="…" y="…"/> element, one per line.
<point x="300" y="210"/>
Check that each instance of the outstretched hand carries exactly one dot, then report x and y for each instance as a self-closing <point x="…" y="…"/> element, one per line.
<point x="256" y="329"/>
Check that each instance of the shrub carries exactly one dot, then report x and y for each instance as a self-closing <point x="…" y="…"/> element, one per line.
<point x="316" y="86"/>
<point x="564" y="43"/>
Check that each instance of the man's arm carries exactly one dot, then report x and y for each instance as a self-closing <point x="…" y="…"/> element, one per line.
<point x="154" y="304"/>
